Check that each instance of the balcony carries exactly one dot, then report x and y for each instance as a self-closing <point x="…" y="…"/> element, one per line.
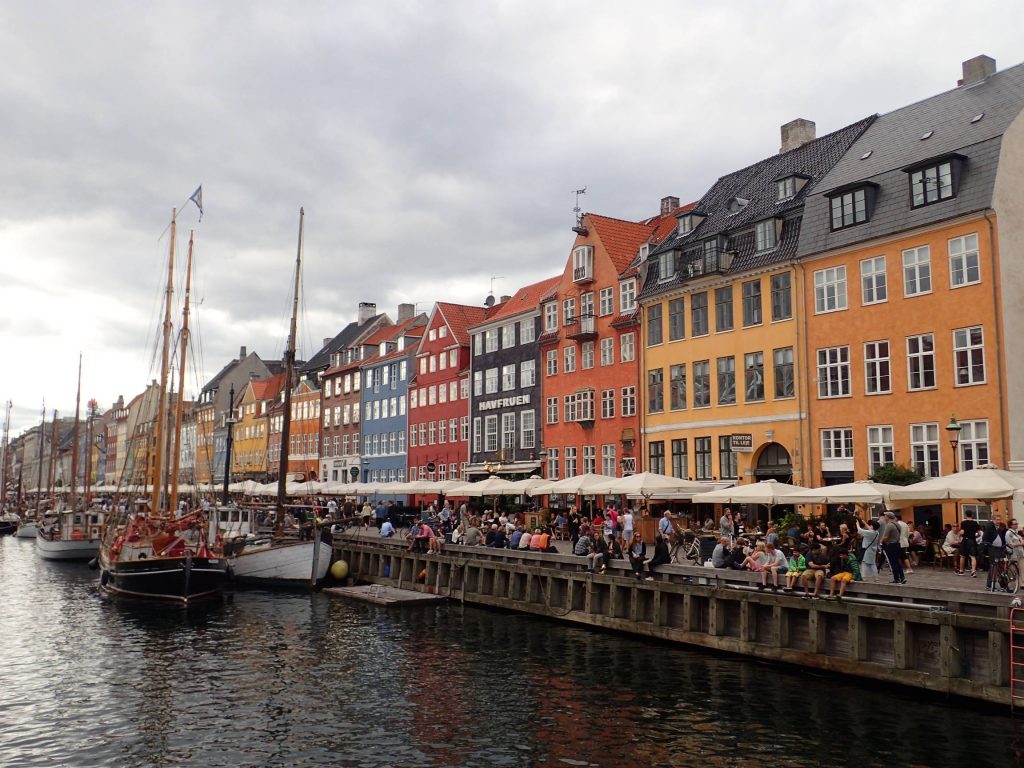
<point x="583" y="274"/>
<point x="704" y="260"/>
<point x="581" y="328"/>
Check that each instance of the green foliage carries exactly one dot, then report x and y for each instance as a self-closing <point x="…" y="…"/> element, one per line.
<point x="895" y="474"/>
<point x="788" y="519"/>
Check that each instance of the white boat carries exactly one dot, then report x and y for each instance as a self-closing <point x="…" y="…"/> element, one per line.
<point x="75" y="536"/>
<point x="261" y="560"/>
<point x="27" y="529"/>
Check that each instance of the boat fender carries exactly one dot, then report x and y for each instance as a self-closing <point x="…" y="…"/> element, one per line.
<point x="339" y="570"/>
<point x="94" y="564"/>
<point x="104" y="578"/>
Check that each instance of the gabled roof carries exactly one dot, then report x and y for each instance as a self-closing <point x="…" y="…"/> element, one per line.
<point x="621" y="239"/>
<point x="348" y="336"/>
<point x="459" y="317"/>
<point x="265" y="389"/>
<point x="526" y="299"/>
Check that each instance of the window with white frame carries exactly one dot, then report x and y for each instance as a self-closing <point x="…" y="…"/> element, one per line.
<point x="931" y="184"/>
<point x="491" y="381"/>
<point x="508" y="377"/>
<point x="587" y="355"/>
<point x="608" y="350"/>
<point x="877" y="378"/>
<point x="464" y="428"/>
<point x="478" y="384"/>
<point x="569" y="408"/>
<point x="666" y="265"/>
<point x="973" y="445"/>
<point x="921" y="361"/>
<point x="964" y="266"/>
<point x="527" y="429"/>
<point x="442" y="433"/>
<point x="766" y="235"/>
<point x="551" y="316"/>
<point x="834" y="372"/>
<point x="453" y="430"/>
<point x="830" y="289"/>
<point x="585" y="405"/>
<point x="627" y="295"/>
<point x="583" y="262"/>
<point x="608" y="466"/>
<point x="553" y="464"/>
<point x="551" y="366"/>
<point x="508" y="336"/>
<point x="569" y="359"/>
<point x="837" y="443"/>
<point x="880" y="447"/>
<point x="527" y="373"/>
<point x="491" y="433"/>
<point x="607" y="403"/>
<point x="785" y="189"/>
<point x="587" y="304"/>
<point x="551" y="410"/>
<point x="873" y="287"/>
<point x="627" y="349"/>
<point x="570" y="461"/>
<point x="924" y="449"/>
<point x="969" y="355"/>
<point x="508" y="431"/>
<point x="491" y="340"/>
<point x="629" y="401"/>
<point x="464" y="388"/>
<point x="568" y="310"/>
<point x="917" y="271"/>
<point x="606" y="301"/>
<point x="527" y="331"/>
<point x="982" y="512"/>
<point x="589" y="459"/>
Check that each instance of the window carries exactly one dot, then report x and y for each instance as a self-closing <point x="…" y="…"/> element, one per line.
<point x="627" y="348"/>
<point x="569" y="359"/>
<point x="727" y="465"/>
<point x="551" y="368"/>
<point x="679" y="459"/>
<point x="608" y="350"/>
<point x="491" y="340"/>
<point x="699" y="314"/>
<point x="656" y="390"/>
<point x="973" y="444"/>
<point x="876" y="368"/>
<point x="676" y="325"/>
<point x="508" y="336"/>
<point x="924" y="449"/>
<point x="453" y="430"/>
<point x="491" y="433"/>
<point x="627" y="296"/>
<point x="629" y="401"/>
<point x="583" y="262"/>
<point x="702" y="384"/>
<point x="551" y="410"/>
<point x="551" y="316"/>
<point x="880" y="450"/>
<point x="782" y="299"/>
<point x="931" y="184"/>
<point x="964" y="266"/>
<point x="849" y="208"/>
<point x="608" y="460"/>
<point x="677" y="387"/>
<point x="830" y="289"/>
<point x="752" y="303"/>
<point x="570" y="461"/>
<point x="527" y="373"/>
<point x="666" y="265"/>
<point x="527" y="331"/>
<point x="656" y="456"/>
<point x="726" y="380"/>
<point x="723" y="309"/>
<point x="785" y="189"/>
<point x="766" y="235"/>
<point x="464" y="388"/>
<point x="917" y="271"/>
<point x="753" y="377"/>
<point x="685" y="224"/>
<point x="589" y="459"/>
<point x="568" y="311"/>
<point x="969" y="355"/>
<point x="837" y="444"/>
<point x="702" y="455"/>
<point x="872" y="280"/>
<point x="654" y="324"/>
<point x="607" y="403"/>
<point x="442" y="361"/>
<point x="508" y="431"/>
<point x="833" y="372"/>
<point x="569" y="406"/>
<point x="491" y="381"/>
<point x="606" y="301"/>
<point x="552" y="473"/>
<point x="921" y="361"/>
<point x="508" y="377"/>
<point x="587" y="304"/>
<point x="587" y="355"/>
<point x="431" y="432"/>
<point x="585" y="405"/>
<point x="464" y="428"/>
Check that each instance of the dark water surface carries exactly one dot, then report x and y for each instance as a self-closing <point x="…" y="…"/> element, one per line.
<point x="276" y="679"/>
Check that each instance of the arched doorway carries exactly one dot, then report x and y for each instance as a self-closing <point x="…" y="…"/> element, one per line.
<point x="774" y="463"/>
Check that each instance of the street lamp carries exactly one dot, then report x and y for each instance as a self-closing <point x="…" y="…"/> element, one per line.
<point x="953" y="430"/>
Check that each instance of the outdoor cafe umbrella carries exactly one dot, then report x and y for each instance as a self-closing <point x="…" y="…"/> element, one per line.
<point x="492" y="486"/>
<point x="527" y="485"/>
<point x="858" y="492"/>
<point x="983" y="483"/>
<point x="648" y="484"/>
<point x="770" y="492"/>
<point x="587" y="484"/>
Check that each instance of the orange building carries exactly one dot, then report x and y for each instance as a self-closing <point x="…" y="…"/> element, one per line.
<point x="303" y="432"/>
<point x="588" y="347"/>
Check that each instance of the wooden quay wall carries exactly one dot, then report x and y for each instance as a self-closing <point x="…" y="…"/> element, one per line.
<point x="941" y="640"/>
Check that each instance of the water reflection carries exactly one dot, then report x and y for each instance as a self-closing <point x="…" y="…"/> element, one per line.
<point x="292" y="679"/>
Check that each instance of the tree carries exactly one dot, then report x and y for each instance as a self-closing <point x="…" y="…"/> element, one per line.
<point x="895" y="474"/>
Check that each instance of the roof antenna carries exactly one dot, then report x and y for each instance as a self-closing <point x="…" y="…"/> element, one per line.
<point x="579" y="228"/>
<point x="489" y="301"/>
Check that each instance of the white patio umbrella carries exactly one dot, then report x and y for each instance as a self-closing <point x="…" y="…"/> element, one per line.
<point x="648" y="484"/>
<point x="768" y="492"/>
<point x="335" y="488"/>
<point x="527" y="485"/>
<point x="492" y="486"/>
<point x="858" y="492"/>
<point x="432" y="487"/>
<point x="982" y="483"/>
<point x="586" y="484"/>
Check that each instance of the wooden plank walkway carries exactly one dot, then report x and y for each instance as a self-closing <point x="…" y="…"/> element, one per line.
<point x="383" y="595"/>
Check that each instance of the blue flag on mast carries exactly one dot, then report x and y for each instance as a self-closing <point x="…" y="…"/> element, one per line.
<point x="197" y="198"/>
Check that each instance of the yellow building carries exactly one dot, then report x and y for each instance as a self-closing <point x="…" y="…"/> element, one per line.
<point x="249" y="452"/>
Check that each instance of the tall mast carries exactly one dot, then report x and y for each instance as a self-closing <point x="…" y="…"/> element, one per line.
<point x="3" y="474"/>
<point x="161" y="416"/>
<point x="180" y="405"/>
<point x="39" y="458"/>
<point x="289" y="366"/>
<point x="51" y="478"/>
<point x="74" y="436"/>
<point x="87" y="480"/>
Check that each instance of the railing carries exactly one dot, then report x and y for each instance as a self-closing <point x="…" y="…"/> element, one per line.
<point x="581" y="327"/>
<point x="705" y="261"/>
<point x="582" y="274"/>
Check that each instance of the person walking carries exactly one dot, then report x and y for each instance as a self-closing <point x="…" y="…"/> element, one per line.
<point x="891" y="548"/>
<point x="869" y="536"/>
<point x="969" y="543"/>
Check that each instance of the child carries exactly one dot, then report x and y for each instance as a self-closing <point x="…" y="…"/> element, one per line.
<point x="841" y="573"/>
<point x="797" y="565"/>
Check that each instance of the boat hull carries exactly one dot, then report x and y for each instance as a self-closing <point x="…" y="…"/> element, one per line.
<point x="289" y="564"/>
<point x="27" y="530"/>
<point x="70" y="549"/>
<point x="183" y="579"/>
<point x="7" y="528"/>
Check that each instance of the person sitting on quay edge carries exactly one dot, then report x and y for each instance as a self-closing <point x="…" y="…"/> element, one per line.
<point x="661" y="556"/>
<point x="474" y="536"/>
<point x="387" y="530"/>
<point x="816" y="570"/>
<point x="541" y="542"/>
<point x="774" y="565"/>
<point x="597" y="557"/>
<point x="614" y="549"/>
<point x="841" y="573"/>
<point x="524" y="540"/>
<point x="582" y="546"/>
<point x="721" y="556"/>
<point x="500" y="540"/>
<point x="637" y="555"/>
<point x="795" y="567"/>
<point x="756" y="560"/>
<point x="517" y="534"/>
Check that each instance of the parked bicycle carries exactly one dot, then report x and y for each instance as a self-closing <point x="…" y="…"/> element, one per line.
<point x="1005" y="576"/>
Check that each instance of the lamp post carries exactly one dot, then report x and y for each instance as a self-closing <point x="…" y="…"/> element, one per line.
<point x="953" y="430"/>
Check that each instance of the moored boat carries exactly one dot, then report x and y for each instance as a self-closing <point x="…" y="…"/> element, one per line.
<point x="27" y="529"/>
<point x="74" y="536"/>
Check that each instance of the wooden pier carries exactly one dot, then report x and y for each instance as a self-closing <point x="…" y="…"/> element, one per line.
<point x="939" y="639"/>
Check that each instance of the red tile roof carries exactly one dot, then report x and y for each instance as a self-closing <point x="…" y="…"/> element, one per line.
<point x="622" y="239"/>
<point x="525" y="299"/>
<point x="264" y="389"/>
<point x="459" y="317"/>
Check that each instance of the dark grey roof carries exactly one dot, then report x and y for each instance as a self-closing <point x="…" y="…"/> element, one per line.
<point x="349" y="335"/>
<point x="757" y="185"/>
<point x="894" y="141"/>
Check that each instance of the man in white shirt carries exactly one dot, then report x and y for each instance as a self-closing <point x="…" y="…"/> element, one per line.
<point x="387" y="530"/>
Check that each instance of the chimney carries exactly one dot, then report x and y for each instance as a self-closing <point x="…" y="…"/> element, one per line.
<point x="367" y="309"/>
<point x="327" y="340"/>
<point x="669" y="204"/>
<point x="406" y="312"/>
<point x="796" y="133"/>
<point x="977" y="69"/>
<point x="242" y="353"/>
<point x="505" y="298"/>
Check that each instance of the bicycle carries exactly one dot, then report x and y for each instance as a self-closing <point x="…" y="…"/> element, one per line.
<point x="687" y="544"/>
<point x="1005" y="573"/>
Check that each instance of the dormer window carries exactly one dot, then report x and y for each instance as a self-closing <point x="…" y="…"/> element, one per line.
<point x="666" y="265"/>
<point x="737" y="204"/>
<point x="787" y="187"/>
<point x="934" y="180"/>
<point x="645" y="249"/>
<point x="685" y="224"/>
<point x="583" y="263"/>
<point x="766" y="234"/>
<point x="851" y="205"/>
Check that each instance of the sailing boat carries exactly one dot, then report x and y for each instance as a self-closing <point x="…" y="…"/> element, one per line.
<point x="8" y="519"/>
<point x="151" y="552"/>
<point x="29" y="527"/>
<point x="273" y="560"/>
<point x="75" y="534"/>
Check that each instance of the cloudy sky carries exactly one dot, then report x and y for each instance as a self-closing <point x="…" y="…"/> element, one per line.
<point x="434" y="146"/>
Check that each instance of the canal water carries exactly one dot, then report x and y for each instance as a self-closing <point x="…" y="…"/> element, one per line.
<point x="281" y="679"/>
